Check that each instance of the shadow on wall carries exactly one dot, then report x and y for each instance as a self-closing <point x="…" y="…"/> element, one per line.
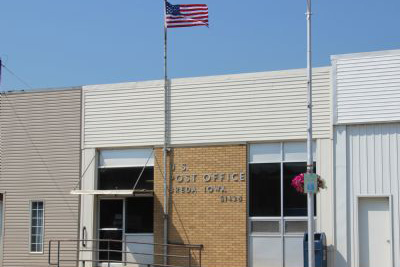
<point x="178" y="255"/>
<point x="339" y="260"/>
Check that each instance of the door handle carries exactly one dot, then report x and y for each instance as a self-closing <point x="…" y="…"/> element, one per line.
<point x="84" y="236"/>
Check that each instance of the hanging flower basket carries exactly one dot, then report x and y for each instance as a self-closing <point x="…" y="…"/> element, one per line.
<point x="298" y="183"/>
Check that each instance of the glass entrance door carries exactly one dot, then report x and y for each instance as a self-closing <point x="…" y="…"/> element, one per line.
<point x="111" y="228"/>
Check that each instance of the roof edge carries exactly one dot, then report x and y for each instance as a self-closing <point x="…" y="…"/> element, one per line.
<point x="366" y="54"/>
<point x="42" y="90"/>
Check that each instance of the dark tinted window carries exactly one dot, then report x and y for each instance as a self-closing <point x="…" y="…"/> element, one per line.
<point x="110" y="250"/>
<point x="125" y="178"/>
<point x="139" y="215"/>
<point x="111" y="213"/>
<point x="111" y="224"/>
<point x="294" y="203"/>
<point x="265" y="189"/>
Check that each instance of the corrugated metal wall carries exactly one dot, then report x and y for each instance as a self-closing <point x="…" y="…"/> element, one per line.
<point x="231" y="108"/>
<point x="367" y="87"/>
<point x="374" y="160"/>
<point x="367" y="163"/>
<point x="40" y="142"/>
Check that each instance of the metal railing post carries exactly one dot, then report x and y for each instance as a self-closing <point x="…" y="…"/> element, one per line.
<point x="58" y="253"/>
<point x="81" y="261"/>
<point x="190" y="257"/>
<point x="200" y="257"/>
<point x="78" y="252"/>
<point x="49" y="253"/>
<point x="108" y="252"/>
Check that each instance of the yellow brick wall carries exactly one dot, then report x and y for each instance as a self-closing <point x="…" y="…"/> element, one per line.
<point x="202" y="217"/>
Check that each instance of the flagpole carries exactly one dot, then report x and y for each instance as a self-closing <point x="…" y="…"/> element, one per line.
<point x="310" y="162"/>
<point x="165" y="219"/>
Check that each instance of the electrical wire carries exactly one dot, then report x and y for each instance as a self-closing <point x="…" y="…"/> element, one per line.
<point x="144" y="167"/>
<point x="39" y="154"/>
<point x="15" y="75"/>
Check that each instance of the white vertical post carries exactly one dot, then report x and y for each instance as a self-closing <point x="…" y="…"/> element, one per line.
<point x="165" y="217"/>
<point x="310" y="162"/>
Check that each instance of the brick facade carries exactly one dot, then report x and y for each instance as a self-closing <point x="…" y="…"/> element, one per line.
<point x="207" y="203"/>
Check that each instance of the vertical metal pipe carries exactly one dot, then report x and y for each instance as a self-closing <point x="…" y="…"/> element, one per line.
<point x="190" y="257"/>
<point x="108" y="252"/>
<point x="165" y="221"/>
<point x="49" y="260"/>
<point x="78" y="251"/>
<point x="58" y="253"/>
<point x="282" y="220"/>
<point x="200" y="258"/>
<point x="310" y="162"/>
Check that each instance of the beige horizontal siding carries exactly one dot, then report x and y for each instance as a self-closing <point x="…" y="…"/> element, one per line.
<point x="40" y="146"/>
<point x="230" y="108"/>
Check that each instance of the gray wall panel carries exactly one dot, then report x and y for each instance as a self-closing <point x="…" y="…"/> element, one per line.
<point x="40" y="159"/>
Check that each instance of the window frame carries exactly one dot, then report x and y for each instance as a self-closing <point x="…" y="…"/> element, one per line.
<point x="142" y="171"/>
<point x="282" y="219"/>
<point x="31" y="225"/>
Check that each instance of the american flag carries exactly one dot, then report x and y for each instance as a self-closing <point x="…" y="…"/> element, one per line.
<point x="188" y="15"/>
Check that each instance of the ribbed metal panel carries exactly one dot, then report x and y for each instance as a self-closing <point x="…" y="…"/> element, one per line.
<point x="40" y="144"/>
<point x="229" y="108"/>
<point x="367" y="87"/>
<point x="373" y="156"/>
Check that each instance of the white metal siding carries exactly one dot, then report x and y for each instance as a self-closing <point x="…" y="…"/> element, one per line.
<point x="367" y="87"/>
<point x="125" y="114"/>
<point x="373" y="160"/>
<point x="40" y="142"/>
<point x="325" y="197"/>
<point x="231" y="108"/>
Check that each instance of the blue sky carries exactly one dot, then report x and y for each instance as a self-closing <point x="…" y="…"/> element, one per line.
<point x="78" y="42"/>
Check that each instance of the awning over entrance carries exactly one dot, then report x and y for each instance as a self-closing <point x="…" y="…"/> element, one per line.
<point x="114" y="192"/>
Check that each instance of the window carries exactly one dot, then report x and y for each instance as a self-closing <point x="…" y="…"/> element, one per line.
<point x="272" y="168"/>
<point x="37" y="226"/>
<point x="126" y="169"/>
<point x="278" y="213"/>
<point x="111" y="228"/>
<point x="139" y="215"/>
<point x="126" y="178"/>
<point x="265" y="189"/>
<point x="294" y="203"/>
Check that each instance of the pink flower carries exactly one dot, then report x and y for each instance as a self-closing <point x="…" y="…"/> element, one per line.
<point x="298" y="183"/>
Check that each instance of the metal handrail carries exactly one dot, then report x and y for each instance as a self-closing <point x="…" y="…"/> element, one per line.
<point x="128" y="242"/>
<point x="82" y="246"/>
